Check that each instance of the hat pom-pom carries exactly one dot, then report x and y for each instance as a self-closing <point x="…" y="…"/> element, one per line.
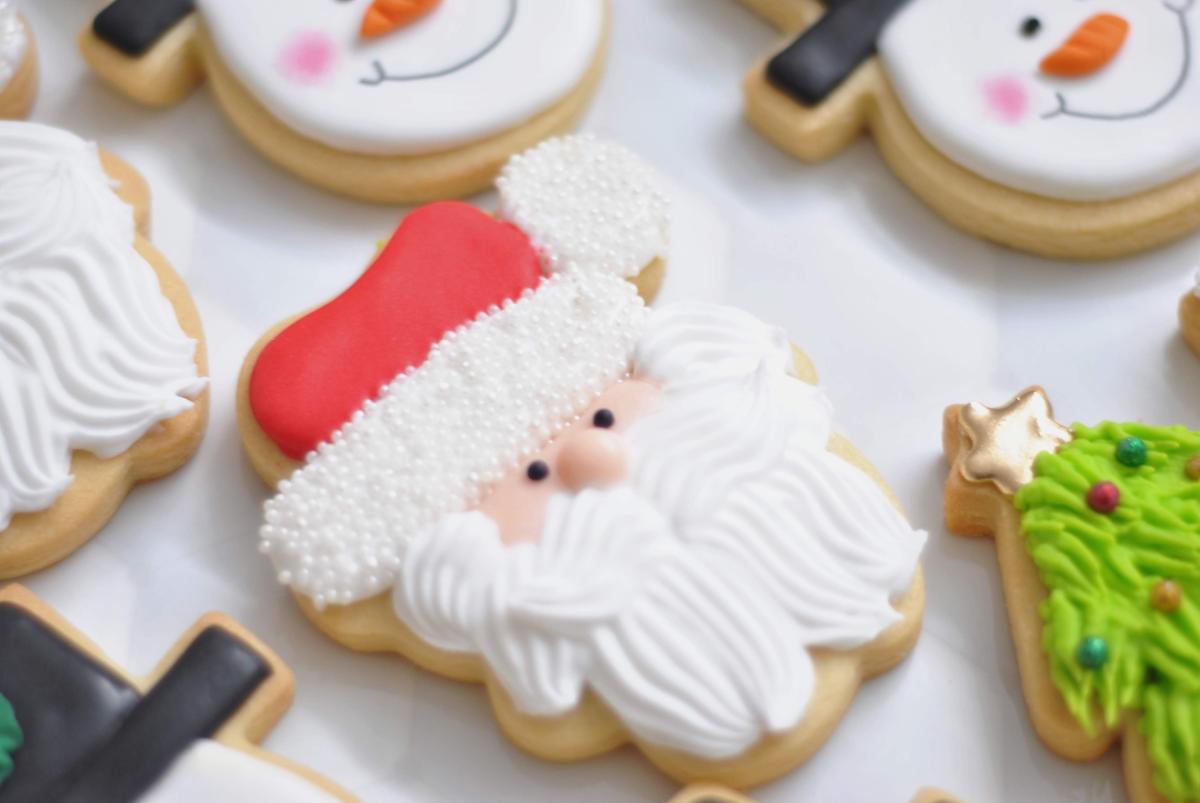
<point x="587" y="205"/>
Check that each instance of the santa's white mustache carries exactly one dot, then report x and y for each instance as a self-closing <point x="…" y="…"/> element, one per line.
<point x="690" y="621"/>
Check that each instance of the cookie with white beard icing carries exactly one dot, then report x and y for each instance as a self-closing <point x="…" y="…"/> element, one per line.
<point x="18" y="63"/>
<point x="391" y="101"/>
<point x="630" y="525"/>
<point x="77" y="728"/>
<point x="101" y="350"/>
<point x="1058" y="128"/>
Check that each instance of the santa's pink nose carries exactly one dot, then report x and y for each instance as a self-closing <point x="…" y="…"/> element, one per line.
<point x="592" y="458"/>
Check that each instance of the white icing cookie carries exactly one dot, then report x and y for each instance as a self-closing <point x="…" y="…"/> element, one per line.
<point x="970" y="77"/>
<point x="392" y="101"/>
<point x="91" y="354"/>
<point x="470" y="69"/>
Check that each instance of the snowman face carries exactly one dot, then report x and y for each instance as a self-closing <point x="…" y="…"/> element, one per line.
<point x="1071" y="99"/>
<point x="462" y="71"/>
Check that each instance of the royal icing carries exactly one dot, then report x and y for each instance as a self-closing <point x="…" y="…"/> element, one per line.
<point x="1058" y="98"/>
<point x="488" y="393"/>
<point x="11" y="738"/>
<point x="686" y="598"/>
<point x="1112" y="523"/>
<point x="587" y="204"/>
<point x="209" y="771"/>
<point x="464" y="71"/>
<point x="12" y="42"/>
<point x="91" y="737"/>
<point x="92" y="356"/>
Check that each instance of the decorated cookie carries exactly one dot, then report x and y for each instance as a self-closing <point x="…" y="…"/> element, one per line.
<point x="1058" y="127"/>
<point x="18" y="63"/>
<point x="1098" y="534"/>
<point x="393" y="101"/>
<point x="630" y="525"/>
<point x="74" y="727"/>
<point x="101" y="351"/>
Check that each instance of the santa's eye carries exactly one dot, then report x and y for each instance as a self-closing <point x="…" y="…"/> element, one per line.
<point x="538" y="470"/>
<point x="604" y="418"/>
<point x="1030" y="27"/>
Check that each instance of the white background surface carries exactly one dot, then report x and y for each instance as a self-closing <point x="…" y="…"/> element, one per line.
<point x="901" y="313"/>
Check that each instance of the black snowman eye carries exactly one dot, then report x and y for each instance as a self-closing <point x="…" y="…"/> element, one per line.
<point x="1030" y="27"/>
<point x="604" y="418"/>
<point x="537" y="470"/>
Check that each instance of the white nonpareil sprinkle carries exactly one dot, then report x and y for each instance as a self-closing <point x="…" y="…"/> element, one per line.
<point x="490" y="393"/>
<point x="587" y="204"/>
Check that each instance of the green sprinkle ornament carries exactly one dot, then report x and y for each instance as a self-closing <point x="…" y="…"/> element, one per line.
<point x="1131" y="452"/>
<point x="1092" y="652"/>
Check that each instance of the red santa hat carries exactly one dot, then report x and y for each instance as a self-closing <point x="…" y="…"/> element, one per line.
<point x="460" y="351"/>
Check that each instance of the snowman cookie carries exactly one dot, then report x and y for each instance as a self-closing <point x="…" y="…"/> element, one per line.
<point x="18" y="63"/>
<point x="1058" y="128"/>
<point x="101" y="351"/>
<point x="76" y="728"/>
<point x="391" y="101"/>
<point x="1098" y="535"/>
<point x="629" y="525"/>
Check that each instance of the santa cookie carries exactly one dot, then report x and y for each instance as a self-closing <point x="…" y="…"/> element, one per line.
<point x="632" y="526"/>
<point x="101" y="350"/>
<point x="392" y="101"/>
<point x="1061" y="129"/>
<point x="18" y="63"/>
<point x="1098" y="534"/>
<point x="76" y="728"/>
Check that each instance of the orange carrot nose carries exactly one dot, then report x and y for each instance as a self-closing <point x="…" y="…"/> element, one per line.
<point x="385" y="16"/>
<point x="1095" y="43"/>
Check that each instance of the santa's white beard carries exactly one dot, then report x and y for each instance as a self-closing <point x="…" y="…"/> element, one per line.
<point x="687" y="598"/>
<point x="92" y="356"/>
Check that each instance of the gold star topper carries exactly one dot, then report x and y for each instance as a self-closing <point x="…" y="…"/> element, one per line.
<point x="1004" y="441"/>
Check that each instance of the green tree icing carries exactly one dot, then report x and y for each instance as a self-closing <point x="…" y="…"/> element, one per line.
<point x="11" y="738"/>
<point x="1102" y="571"/>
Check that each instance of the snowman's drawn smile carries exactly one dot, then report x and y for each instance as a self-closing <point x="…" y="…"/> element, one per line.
<point x="382" y="75"/>
<point x="1180" y="10"/>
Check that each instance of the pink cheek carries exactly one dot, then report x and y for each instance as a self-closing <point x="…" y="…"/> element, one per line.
<point x="308" y="58"/>
<point x="1006" y="98"/>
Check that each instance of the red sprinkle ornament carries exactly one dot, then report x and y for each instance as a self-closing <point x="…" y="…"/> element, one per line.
<point x="1103" y="497"/>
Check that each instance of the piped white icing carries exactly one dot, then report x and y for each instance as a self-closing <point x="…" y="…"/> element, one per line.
<point x="489" y="393"/>
<point x="13" y="42"/>
<point x="308" y="65"/>
<point x="970" y="81"/>
<point x="208" y="772"/>
<point x="587" y="204"/>
<point x="92" y="356"/>
<point x="686" y="599"/>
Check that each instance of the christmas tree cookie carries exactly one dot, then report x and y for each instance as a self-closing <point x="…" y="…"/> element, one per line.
<point x="1098" y="535"/>
<point x="1055" y="127"/>
<point x="391" y="101"/>
<point x="76" y="728"/>
<point x="18" y="63"/>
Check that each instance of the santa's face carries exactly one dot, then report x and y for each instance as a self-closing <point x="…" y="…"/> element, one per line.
<point x="1071" y="100"/>
<point x="677" y="550"/>
<point x="354" y="75"/>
